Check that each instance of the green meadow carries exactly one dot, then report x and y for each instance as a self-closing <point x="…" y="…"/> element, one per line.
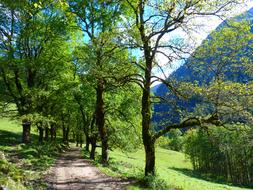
<point x="172" y="167"/>
<point x="24" y="164"/>
<point x="29" y="163"/>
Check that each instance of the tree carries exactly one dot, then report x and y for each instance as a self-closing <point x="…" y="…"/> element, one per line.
<point x="151" y="21"/>
<point x="221" y="152"/>
<point x="33" y="36"/>
<point x="107" y="62"/>
<point x="84" y="96"/>
<point x="123" y="117"/>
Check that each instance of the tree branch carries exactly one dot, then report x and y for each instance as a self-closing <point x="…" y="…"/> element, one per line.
<point x="190" y="122"/>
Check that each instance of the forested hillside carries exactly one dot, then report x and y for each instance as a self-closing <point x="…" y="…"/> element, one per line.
<point x="190" y="71"/>
<point x="81" y="72"/>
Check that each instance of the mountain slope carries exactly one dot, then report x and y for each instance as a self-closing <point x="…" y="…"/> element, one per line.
<point x="169" y="109"/>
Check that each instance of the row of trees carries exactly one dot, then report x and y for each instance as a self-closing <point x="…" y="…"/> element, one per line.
<point x="222" y="153"/>
<point x="33" y="42"/>
<point x="83" y="66"/>
<point x="57" y="81"/>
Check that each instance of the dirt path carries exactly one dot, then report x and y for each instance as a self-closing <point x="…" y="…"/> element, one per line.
<point x="72" y="172"/>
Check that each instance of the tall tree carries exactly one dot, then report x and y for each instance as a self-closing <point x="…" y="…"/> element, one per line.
<point x="150" y="23"/>
<point x="32" y="40"/>
<point x="98" y="19"/>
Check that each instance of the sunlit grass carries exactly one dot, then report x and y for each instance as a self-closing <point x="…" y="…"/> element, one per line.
<point x="24" y="164"/>
<point x="171" y="166"/>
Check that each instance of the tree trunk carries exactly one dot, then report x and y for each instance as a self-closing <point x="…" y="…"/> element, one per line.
<point x="41" y="131"/>
<point x="85" y="124"/>
<point x="46" y="134"/>
<point x="77" y="143"/>
<point x="148" y="141"/>
<point x="87" y="145"/>
<point x="146" y="134"/>
<point x="87" y="138"/>
<point x="100" y="121"/>
<point x="26" y="138"/>
<point x="67" y="135"/>
<point x="52" y="132"/>
<point x="77" y="140"/>
<point x="63" y="134"/>
<point x="81" y="140"/>
<point x="93" y="147"/>
<point x="150" y="159"/>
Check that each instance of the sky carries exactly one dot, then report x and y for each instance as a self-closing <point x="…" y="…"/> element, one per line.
<point x="213" y="22"/>
<point x="198" y="36"/>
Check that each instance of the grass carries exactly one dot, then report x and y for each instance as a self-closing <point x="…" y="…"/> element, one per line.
<point x="25" y="165"/>
<point x="171" y="166"/>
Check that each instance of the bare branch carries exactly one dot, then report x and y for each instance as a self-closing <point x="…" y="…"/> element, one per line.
<point x="190" y="122"/>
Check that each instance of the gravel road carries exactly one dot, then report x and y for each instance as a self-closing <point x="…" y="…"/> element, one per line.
<point x="72" y="172"/>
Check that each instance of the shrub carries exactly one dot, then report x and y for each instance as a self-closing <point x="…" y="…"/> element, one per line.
<point x="156" y="183"/>
<point x="173" y="141"/>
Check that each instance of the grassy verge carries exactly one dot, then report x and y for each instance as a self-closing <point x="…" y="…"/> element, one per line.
<point x="172" y="168"/>
<point x="24" y="166"/>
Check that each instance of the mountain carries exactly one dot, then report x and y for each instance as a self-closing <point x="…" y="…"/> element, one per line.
<point x="169" y="110"/>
